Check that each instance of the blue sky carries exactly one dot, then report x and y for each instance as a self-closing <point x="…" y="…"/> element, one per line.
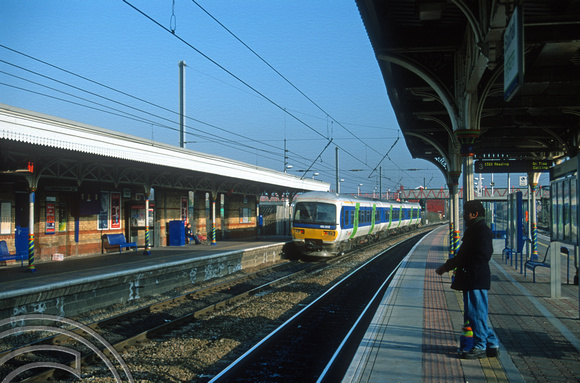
<point x="237" y="106"/>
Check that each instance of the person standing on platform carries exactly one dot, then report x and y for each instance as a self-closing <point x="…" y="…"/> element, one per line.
<point x="473" y="277"/>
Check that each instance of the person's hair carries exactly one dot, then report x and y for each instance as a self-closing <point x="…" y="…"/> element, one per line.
<point x="474" y="207"/>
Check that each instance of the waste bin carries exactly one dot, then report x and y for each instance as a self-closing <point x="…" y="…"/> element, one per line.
<point x="176" y="233"/>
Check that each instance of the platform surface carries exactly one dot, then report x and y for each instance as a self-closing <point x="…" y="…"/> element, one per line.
<point x="414" y="335"/>
<point x="49" y="274"/>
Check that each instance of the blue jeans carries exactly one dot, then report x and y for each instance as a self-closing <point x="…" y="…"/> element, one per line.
<point x="475" y="306"/>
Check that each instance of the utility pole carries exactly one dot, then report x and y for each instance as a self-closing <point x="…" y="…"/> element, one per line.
<point x="337" y="179"/>
<point x="285" y="157"/>
<point x="381" y="183"/>
<point x="182" y="104"/>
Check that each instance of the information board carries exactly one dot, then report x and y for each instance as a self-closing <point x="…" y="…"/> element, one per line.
<point x="513" y="166"/>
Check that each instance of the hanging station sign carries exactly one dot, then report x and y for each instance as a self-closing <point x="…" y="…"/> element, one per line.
<point x="512" y="166"/>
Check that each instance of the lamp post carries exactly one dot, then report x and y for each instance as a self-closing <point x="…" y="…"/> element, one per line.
<point x="359" y="185"/>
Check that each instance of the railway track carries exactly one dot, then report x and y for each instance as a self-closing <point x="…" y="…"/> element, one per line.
<point x="318" y="342"/>
<point x="131" y="328"/>
<point x="128" y="332"/>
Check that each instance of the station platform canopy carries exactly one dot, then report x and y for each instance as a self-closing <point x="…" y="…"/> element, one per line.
<point x="102" y="155"/>
<point x="453" y="75"/>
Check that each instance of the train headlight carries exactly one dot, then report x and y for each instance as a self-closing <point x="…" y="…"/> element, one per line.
<point x="299" y="231"/>
<point x="328" y="233"/>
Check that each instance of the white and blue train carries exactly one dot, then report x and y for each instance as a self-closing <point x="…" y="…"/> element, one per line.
<point x="326" y="224"/>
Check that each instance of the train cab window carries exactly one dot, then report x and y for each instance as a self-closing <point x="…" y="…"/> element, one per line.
<point x="326" y="213"/>
<point x="314" y="212"/>
<point x="304" y="212"/>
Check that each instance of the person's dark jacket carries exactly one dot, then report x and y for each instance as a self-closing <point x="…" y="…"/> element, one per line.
<point x="472" y="259"/>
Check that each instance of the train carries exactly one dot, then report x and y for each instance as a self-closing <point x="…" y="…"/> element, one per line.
<point x="327" y="224"/>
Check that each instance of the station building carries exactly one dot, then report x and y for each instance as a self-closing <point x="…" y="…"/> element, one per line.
<point x="66" y="184"/>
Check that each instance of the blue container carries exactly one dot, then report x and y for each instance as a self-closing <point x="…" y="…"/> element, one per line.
<point x="176" y="233"/>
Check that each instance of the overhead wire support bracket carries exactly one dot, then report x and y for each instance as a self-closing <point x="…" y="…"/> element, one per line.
<point x="316" y="159"/>
<point x="386" y="155"/>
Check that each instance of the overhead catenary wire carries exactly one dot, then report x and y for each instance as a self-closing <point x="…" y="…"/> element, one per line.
<point x="163" y="108"/>
<point x="235" y="76"/>
<point x="282" y="76"/>
<point x="141" y="120"/>
<point x="297" y="89"/>
<point x="135" y="118"/>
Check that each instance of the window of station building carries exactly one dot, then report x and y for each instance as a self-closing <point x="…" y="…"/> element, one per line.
<point x="184" y="209"/>
<point x="5" y="218"/>
<point x="190" y="206"/>
<point x="103" y="221"/>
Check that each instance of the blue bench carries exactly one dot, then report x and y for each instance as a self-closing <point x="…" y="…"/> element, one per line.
<point x="6" y="256"/>
<point x="532" y="264"/>
<point x="115" y="240"/>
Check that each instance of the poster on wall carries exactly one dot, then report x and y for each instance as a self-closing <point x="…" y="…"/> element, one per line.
<point x="50" y="215"/>
<point x="104" y="211"/>
<point x="62" y="217"/>
<point x="245" y="215"/>
<point x="115" y="210"/>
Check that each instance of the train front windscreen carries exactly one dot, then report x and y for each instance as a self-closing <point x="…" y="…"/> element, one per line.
<point x="315" y="212"/>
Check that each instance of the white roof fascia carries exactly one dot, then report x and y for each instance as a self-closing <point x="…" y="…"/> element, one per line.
<point x="39" y="129"/>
